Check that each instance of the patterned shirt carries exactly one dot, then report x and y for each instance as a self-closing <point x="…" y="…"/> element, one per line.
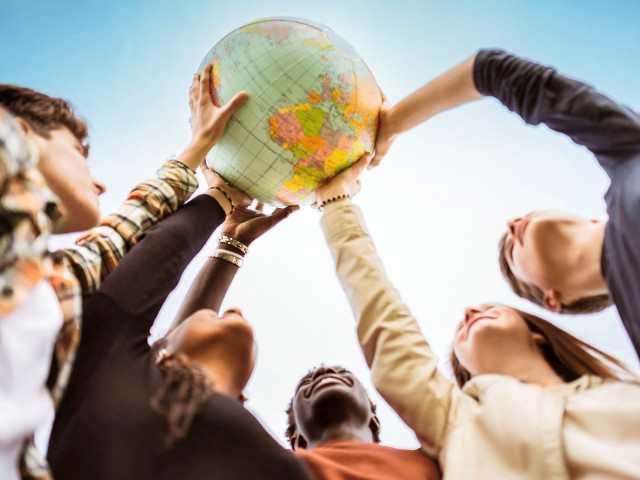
<point x="76" y="272"/>
<point x="24" y="225"/>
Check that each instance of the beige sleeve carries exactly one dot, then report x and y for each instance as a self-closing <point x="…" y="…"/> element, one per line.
<point x="404" y="369"/>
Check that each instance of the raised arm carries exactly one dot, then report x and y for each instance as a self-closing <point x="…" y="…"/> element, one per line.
<point x="239" y="231"/>
<point x="539" y="94"/>
<point x="451" y="89"/>
<point x="98" y="252"/>
<point x="403" y="367"/>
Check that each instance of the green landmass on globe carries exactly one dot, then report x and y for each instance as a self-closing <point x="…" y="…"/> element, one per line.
<point x="312" y="109"/>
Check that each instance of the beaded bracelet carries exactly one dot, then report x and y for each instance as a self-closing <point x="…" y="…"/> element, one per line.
<point x="333" y="199"/>
<point x="234" y="243"/>
<point x="228" y="256"/>
<point x="226" y="195"/>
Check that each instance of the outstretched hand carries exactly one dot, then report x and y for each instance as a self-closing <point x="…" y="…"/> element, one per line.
<point x="246" y="224"/>
<point x="208" y="118"/>
<point x="385" y="135"/>
<point x="346" y="183"/>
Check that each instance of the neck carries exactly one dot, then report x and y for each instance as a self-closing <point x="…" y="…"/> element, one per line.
<point x="531" y="368"/>
<point x="587" y="279"/>
<point x="220" y="379"/>
<point x="342" y="432"/>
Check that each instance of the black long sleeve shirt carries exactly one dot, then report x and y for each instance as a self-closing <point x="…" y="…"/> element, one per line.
<point x="105" y="428"/>
<point x="610" y="131"/>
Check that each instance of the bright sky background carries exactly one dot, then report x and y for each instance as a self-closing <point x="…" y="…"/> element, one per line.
<point x="437" y="205"/>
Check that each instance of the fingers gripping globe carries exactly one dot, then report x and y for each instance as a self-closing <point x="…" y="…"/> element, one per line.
<point x="312" y="109"/>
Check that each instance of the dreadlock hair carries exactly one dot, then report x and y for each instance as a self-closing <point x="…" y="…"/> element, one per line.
<point x="533" y="293"/>
<point x="186" y="387"/>
<point x="291" y="433"/>
<point x="43" y="113"/>
<point x="569" y="356"/>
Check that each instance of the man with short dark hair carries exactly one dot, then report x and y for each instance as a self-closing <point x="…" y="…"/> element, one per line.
<point x="333" y="428"/>
<point x="562" y="262"/>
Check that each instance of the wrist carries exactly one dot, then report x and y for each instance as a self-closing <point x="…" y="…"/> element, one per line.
<point x="330" y="203"/>
<point x="223" y="199"/>
<point x="193" y="155"/>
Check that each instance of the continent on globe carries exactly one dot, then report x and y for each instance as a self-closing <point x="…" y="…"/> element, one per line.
<point x="312" y="109"/>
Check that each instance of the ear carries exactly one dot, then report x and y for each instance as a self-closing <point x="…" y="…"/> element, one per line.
<point x="539" y="339"/>
<point x="374" y="422"/>
<point x="25" y="128"/>
<point x="552" y="300"/>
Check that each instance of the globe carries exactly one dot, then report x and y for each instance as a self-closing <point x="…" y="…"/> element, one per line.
<point x="312" y="109"/>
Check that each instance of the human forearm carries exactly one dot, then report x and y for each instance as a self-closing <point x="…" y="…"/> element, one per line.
<point x="403" y="367"/>
<point x="99" y="251"/>
<point x="209" y="287"/>
<point x="148" y="273"/>
<point x="451" y="89"/>
<point x="539" y="94"/>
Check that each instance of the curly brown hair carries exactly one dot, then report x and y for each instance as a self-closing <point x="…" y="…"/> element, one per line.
<point x="43" y="113"/>
<point x="535" y="294"/>
<point x="185" y="389"/>
<point x="291" y="433"/>
<point x="569" y="356"/>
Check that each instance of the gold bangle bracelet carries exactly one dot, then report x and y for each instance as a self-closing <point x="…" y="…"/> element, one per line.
<point x="234" y="243"/>
<point x="228" y="256"/>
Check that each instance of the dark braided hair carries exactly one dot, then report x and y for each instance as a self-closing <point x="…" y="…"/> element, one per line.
<point x="185" y="388"/>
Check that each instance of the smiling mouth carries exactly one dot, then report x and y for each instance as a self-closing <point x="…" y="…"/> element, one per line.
<point x="326" y="380"/>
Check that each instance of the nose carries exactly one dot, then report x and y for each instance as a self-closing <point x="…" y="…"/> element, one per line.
<point x="99" y="187"/>
<point x="470" y="312"/>
<point x="512" y="224"/>
<point x="323" y="371"/>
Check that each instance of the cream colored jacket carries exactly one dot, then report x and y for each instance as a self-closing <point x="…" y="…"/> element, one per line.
<point x="496" y="428"/>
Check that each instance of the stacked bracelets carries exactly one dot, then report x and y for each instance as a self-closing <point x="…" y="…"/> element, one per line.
<point x="229" y="256"/>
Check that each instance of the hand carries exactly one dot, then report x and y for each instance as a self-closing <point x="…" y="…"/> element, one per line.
<point x="385" y="135"/>
<point x="346" y="182"/>
<point x="239" y="198"/>
<point x="245" y="224"/>
<point x="208" y="118"/>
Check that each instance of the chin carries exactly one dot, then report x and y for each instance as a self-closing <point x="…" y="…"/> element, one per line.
<point x="78" y="221"/>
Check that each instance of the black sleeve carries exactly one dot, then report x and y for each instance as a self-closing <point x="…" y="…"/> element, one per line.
<point x="152" y="269"/>
<point x="147" y="274"/>
<point x="539" y="94"/>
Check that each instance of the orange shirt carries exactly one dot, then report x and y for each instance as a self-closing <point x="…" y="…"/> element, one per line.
<point x="349" y="460"/>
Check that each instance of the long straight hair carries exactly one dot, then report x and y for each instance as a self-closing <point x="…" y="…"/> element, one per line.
<point x="569" y="356"/>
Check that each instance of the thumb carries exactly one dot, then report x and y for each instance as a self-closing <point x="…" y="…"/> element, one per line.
<point x="234" y="104"/>
<point x="361" y="164"/>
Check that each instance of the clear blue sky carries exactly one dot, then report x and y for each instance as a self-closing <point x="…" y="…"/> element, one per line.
<point x="447" y="187"/>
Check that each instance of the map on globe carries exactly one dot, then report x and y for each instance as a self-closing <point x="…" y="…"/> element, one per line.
<point x="312" y="109"/>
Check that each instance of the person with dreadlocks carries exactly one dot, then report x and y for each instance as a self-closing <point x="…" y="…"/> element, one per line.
<point x="333" y="428"/>
<point x="172" y="410"/>
<point x="531" y="401"/>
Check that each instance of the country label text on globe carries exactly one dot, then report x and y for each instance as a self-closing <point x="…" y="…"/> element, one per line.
<point x="312" y="109"/>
